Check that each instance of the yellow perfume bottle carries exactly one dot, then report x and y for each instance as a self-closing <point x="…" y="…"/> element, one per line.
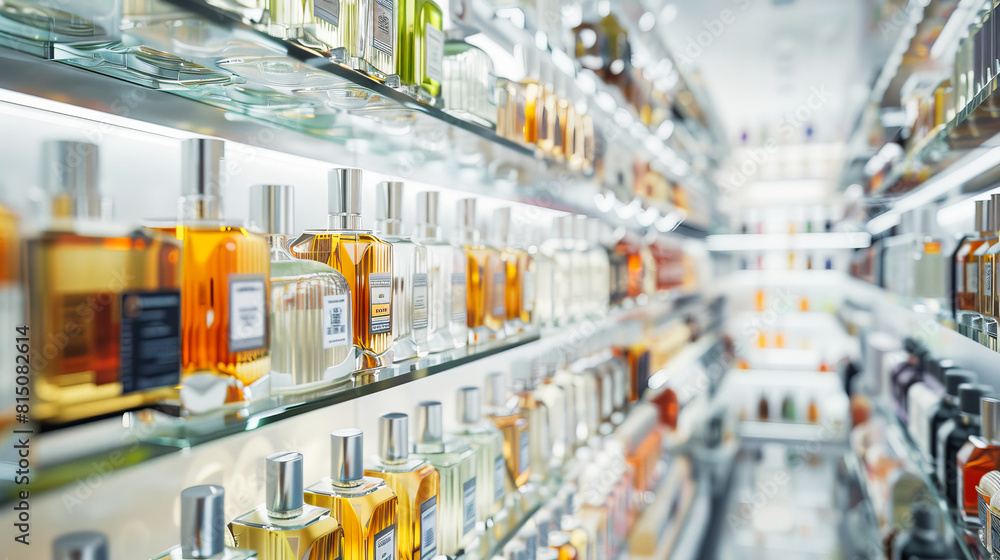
<point x="104" y="298"/>
<point x="516" y="440"/>
<point x="415" y="483"/>
<point x="420" y="56"/>
<point x="285" y="527"/>
<point x="203" y="527"/>
<point x="364" y="506"/>
<point x="365" y="261"/>
<point x="486" y="278"/>
<point x="519" y="276"/>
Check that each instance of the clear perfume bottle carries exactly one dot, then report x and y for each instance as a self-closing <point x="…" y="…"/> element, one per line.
<point x="469" y="87"/>
<point x="507" y="417"/>
<point x="420" y="56"/>
<point x="485" y="277"/>
<point x="104" y="303"/>
<point x="284" y="527"/>
<point x="580" y="301"/>
<point x="520" y="273"/>
<point x="446" y="284"/>
<point x="225" y="289"/>
<point x="599" y="266"/>
<point x="537" y="414"/>
<point x="311" y="338"/>
<point x="203" y="527"/>
<point x="544" y="273"/>
<point x="561" y="442"/>
<point x="89" y="545"/>
<point x="364" y="505"/>
<point x="560" y="252"/>
<point x="409" y="275"/>
<point x="456" y="465"/>
<point x="491" y="466"/>
<point x="368" y="37"/>
<point x="365" y="261"/>
<point x="415" y="483"/>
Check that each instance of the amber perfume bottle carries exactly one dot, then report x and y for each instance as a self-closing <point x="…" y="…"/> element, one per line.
<point x="516" y="438"/>
<point x="363" y="259"/>
<point x="284" y="527"/>
<point x="979" y="455"/>
<point x="364" y="505"/>
<point x="966" y="265"/>
<point x="415" y="483"/>
<point x="485" y="277"/>
<point x="203" y="527"/>
<point x="105" y="302"/>
<point x="519" y="275"/>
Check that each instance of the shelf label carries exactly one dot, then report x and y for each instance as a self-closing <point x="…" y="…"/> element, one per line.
<point x="385" y="543"/>
<point x="499" y="488"/>
<point x="327" y="10"/>
<point x="468" y="505"/>
<point x="433" y="53"/>
<point x="380" y="295"/>
<point x="335" y="318"/>
<point x="458" y="302"/>
<point x="988" y="279"/>
<point x="150" y="340"/>
<point x="523" y="453"/>
<point x="382" y="37"/>
<point x="428" y="528"/>
<point x="247" y="312"/>
<point x="419" y="301"/>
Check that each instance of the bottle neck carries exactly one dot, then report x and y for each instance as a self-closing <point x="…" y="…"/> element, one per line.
<point x="468" y="236"/>
<point x="344" y="221"/>
<point x="284" y="514"/>
<point x="390" y="228"/>
<point x="428" y="232"/>
<point x="279" y="248"/>
<point x="200" y="208"/>
<point x="340" y="483"/>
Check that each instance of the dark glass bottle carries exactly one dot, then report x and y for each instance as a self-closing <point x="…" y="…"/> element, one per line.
<point x="906" y="374"/>
<point x="954" y="433"/>
<point x="949" y="405"/>
<point x="923" y="542"/>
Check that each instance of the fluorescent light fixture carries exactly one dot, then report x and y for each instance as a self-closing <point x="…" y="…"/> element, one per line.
<point x="789" y="242"/>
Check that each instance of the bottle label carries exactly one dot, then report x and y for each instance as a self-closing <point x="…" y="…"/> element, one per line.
<point x="335" y="317"/>
<point x="380" y="295"/>
<point x="499" y="305"/>
<point x="994" y="544"/>
<point x="327" y="10"/>
<point x="458" y="303"/>
<point x="468" y="505"/>
<point x="150" y="340"/>
<point x="382" y="37"/>
<point x="247" y="312"/>
<point x="983" y="510"/>
<point x="385" y="544"/>
<point x="523" y="453"/>
<point x="428" y="528"/>
<point x="972" y="273"/>
<point x="434" y="53"/>
<point x="528" y="291"/>
<point x="499" y="488"/>
<point x="419" y="301"/>
<point x="987" y="278"/>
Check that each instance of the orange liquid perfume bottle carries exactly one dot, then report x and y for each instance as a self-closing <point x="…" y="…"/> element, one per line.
<point x="365" y="261"/>
<point x="485" y="277"/>
<point x="979" y="455"/>
<point x="506" y="416"/>
<point x="966" y="266"/>
<point x="519" y="276"/>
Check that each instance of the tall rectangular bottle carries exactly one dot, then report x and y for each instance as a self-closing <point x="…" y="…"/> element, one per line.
<point x="491" y="466"/>
<point x="507" y="418"/>
<point x="446" y="284"/>
<point x="485" y="277"/>
<point x="519" y="275"/>
<point x="986" y="258"/>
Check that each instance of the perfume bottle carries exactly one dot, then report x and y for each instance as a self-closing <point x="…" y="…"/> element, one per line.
<point x="491" y="470"/>
<point x="409" y="275"/>
<point x="979" y="455"/>
<point x="446" y="285"/>
<point x="519" y="275"/>
<point x="284" y="527"/>
<point x="560" y="419"/>
<point x="363" y="259"/>
<point x="984" y="257"/>
<point x="516" y="438"/>
<point x="104" y="304"/>
<point x="469" y="87"/>
<point x="948" y="410"/>
<point x="485" y="276"/>
<point x="924" y="542"/>
<point x="455" y="463"/>
<point x="788" y="409"/>
<point x="311" y="338"/>
<point x="537" y="414"/>
<point x="954" y="433"/>
<point x="544" y="270"/>
<point x="580" y="280"/>
<point x="559" y="251"/>
<point x="225" y="287"/>
<point x="420" y="53"/>
<point x="966" y="266"/>
<point x="364" y="505"/>
<point x="88" y="545"/>
<point x="203" y="527"/>
<point x="599" y="266"/>
<point x="415" y="484"/>
<point x="365" y="34"/>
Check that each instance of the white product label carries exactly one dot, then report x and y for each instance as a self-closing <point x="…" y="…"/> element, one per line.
<point x="428" y="529"/>
<point x="385" y="544"/>
<point x="458" y="305"/>
<point x="247" y="312"/>
<point x="419" y="301"/>
<point x="327" y="10"/>
<point x="523" y="453"/>
<point x="380" y="296"/>
<point x="383" y="21"/>
<point x="434" y="53"/>
<point x="499" y="293"/>
<point x="499" y="488"/>
<point x="972" y="273"/>
<point x="528" y="291"/>
<point x="335" y="318"/>
<point x="468" y="505"/>
<point x="988" y="279"/>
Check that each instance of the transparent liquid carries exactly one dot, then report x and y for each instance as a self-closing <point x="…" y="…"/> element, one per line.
<point x="446" y="301"/>
<point x="563" y="269"/>
<point x="409" y="299"/>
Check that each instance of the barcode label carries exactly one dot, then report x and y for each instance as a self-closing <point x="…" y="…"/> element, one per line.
<point x="419" y="301"/>
<point x="335" y="318"/>
<point x="499" y="488"/>
<point x="380" y="295"/>
<point x="469" y="505"/>
<point x="385" y="544"/>
<point x="428" y="529"/>
<point x="434" y="53"/>
<point x="327" y="10"/>
<point x="458" y="301"/>
<point x="988" y="278"/>
<point x="247" y="312"/>
<point x="383" y="22"/>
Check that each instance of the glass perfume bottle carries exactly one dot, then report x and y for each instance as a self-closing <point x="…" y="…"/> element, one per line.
<point x="544" y="270"/>
<point x="364" y="505"/>
<point x="284" y="527"/>
<point x="506" y="416"/>
<point x="966" y="266"/>
<point x="560" y="252"/>
<point x="225" y="288"/>
<point x="952" y="436"/>
<point x="566" y="518"/>
<point x="599" y="266"/>
<point x="469" y="87"/>
<point x="90" y="545"/>
<point x="420" y="53"/>
<point x="560" y="418"/>
<point x="580" y="302"/>
<point x="456" y="465"/>
<point x="984" y="257"/>
<point x="203" y="527"/>
<point x="364" y="32"/>
<point x="363" y="259"/>
<point x="948" y="410"/>
<point x="979" y="455"/>
<point x="409" y="275"/>
<point x="311" y="338"/>
<point x="415" y="484"/>
<point x="537" y="414"/>
<point x="446" y="285"/>
<point x="519" y="275"/>
<point x="491" y="467"/>
<point x="103" y="298"/>
<point x="11" y="307"/>
<point x="485" y="277"/>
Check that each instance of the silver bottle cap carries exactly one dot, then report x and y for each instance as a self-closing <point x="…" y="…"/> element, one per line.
<point x="470" y="405"/>
<point x="347" y="455"/>
<point x="466" y="211"/>
<point x="71" y="170"/>
<point x="427" y="208"/>
<point x="990" y="419"/>
<point x="496" y="389"/>
<point x="393" y="437"/>
<point x="85" y="545"/>
<point x="389" y="207"/>
<point x="283" y="485"/>
<point x="201" y="166"/>
<point x="543" y="521"/>
<point x="563" y="226"/>
<point x="982" y="212"/>
<point x="344" y="198"/>
<point x="203" y="521"/>
<point x="515" y="550"/>
<point x="501" y="227"/>
<point x="994" y="212"/>
<point x="272" y="209"/>
<point x="429" y="422"/>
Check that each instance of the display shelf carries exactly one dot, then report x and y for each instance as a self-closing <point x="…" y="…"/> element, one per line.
<point x="764" y="242"/>
<point x="789" y="433"/>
